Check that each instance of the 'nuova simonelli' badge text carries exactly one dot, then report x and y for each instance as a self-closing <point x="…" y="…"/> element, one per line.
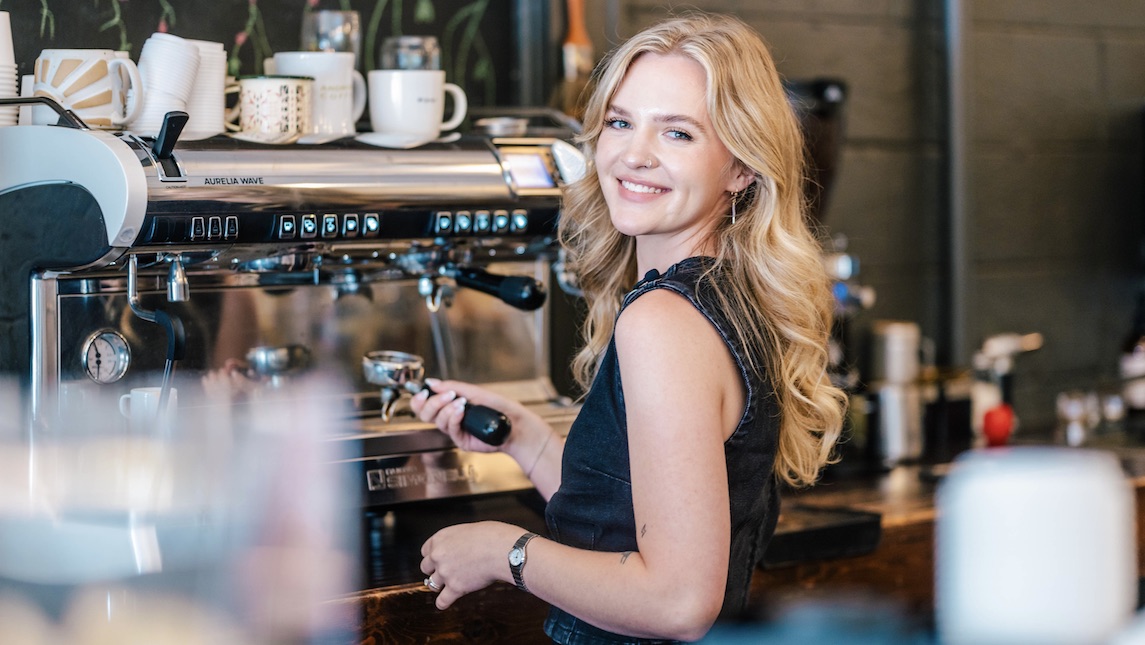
<point x="227" y="181"/>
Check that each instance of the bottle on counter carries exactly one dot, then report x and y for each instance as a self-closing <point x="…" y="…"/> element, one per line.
<point x="1131" y="367"/>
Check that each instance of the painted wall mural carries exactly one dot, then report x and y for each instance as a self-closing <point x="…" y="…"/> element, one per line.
<point x="473" y="33"/>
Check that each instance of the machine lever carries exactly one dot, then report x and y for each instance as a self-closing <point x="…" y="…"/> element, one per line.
<point x="173" y="123"/>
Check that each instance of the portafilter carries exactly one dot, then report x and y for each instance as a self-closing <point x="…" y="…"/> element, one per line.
<point x="277" y="363"/>
<point x="398" y="372"/>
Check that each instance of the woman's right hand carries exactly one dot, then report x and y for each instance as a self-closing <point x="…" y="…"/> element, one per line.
<point x="446" y="408"/>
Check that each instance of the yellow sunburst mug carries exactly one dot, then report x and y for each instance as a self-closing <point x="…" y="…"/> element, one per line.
<point x="101" y="86"/>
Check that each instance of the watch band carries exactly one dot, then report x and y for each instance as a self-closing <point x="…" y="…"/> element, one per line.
<point x="518" y="569"/>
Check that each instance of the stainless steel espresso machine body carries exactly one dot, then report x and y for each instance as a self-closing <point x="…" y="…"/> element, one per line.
<point x="124" y="265"/>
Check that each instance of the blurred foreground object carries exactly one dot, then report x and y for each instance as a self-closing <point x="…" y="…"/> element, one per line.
<point x="1034" y="545"/>
<point x="232" y="527"/>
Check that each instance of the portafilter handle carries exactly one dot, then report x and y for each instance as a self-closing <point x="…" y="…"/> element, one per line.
<point x="519" y="291"/>
<point x="396" y="372"/>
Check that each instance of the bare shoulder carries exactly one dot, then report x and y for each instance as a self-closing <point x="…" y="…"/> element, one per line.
<point x="663" y="319"/>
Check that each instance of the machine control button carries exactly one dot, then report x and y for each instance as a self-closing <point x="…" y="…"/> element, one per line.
<point x="500" y="221"/>
<point x="231" y="231"/>
<point x="286" y="227"/>
<point x="198" y="228"/>
<point x="443" y="222"/>
<point x="520" y="220"/>
<point x="371" y="225"/>
<point x="309" y="225"/>
<point x="481" y="222"/>
<point x="214" y="227"/>
<point x="463" y="222"/>
<point x="329" y="225"/>
<point x="350" y="225"/>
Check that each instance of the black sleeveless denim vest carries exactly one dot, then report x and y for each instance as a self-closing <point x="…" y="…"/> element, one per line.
<point x="592" y="509"/>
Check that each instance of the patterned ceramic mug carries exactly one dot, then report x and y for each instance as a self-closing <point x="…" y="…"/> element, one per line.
<point x="93" y="83"/>
<point x="272" y="109"/>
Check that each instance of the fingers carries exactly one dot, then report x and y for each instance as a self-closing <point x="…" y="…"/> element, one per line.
<point x="443" y="410"/>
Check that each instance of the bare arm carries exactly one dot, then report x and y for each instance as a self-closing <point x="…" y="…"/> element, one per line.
<point x="683" y="397"/>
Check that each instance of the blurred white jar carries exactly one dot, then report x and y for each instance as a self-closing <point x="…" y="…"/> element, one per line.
<point x="1035" y="545"/>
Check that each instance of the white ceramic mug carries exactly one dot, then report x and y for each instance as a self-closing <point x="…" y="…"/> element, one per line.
<point x="272" y="109"/>
<point x="89" y="82"/>
<point x="412" y="103"/>
<point x="338" y="98"/>
<point x="141" y="407"/>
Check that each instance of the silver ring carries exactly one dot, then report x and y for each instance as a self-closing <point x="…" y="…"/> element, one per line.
<point x="431" y="584"/>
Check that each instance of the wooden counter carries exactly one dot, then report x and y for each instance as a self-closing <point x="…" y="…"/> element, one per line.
<point x="899" y="570"/>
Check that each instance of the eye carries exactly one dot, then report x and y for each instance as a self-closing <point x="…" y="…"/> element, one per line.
<point x="616" y="123"/>
<point x="679" y="135"/>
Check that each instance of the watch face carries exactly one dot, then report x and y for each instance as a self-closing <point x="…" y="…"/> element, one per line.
<point x="516" y="557"/>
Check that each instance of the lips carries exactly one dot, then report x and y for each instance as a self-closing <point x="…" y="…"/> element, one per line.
<point x="641" y="188"/>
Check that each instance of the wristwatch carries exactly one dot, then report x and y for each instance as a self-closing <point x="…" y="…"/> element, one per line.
<point x="517" y="558"/>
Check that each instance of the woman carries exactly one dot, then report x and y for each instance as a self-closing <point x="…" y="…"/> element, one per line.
<point x="708" y="380"/>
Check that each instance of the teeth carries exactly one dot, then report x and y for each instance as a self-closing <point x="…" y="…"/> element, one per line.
<point x="640" y="188"/>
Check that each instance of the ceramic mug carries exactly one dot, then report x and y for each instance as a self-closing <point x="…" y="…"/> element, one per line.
<point x="141" y="407"/>
<point x="272" y="109"/>
<point x="339" y="94"/>
<point x="89" y="82"/>
<point x="412" y="103"/>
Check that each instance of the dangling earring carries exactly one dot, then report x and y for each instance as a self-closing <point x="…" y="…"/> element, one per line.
<point x="735" y="198"/>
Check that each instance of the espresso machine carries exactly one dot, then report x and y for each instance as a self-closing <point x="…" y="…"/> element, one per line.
<point x="130" y="262"/>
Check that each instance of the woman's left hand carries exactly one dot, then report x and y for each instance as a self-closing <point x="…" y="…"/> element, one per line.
<point x="467" y="557"/>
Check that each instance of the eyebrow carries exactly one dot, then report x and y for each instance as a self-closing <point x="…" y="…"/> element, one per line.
<point x="667" y="118"/>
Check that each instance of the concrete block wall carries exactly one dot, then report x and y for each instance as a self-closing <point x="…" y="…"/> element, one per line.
<point x="1055" y="95"/>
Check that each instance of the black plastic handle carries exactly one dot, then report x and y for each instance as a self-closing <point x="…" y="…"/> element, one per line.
<point x="518" y="291"/>
<point x="484" y="422"/>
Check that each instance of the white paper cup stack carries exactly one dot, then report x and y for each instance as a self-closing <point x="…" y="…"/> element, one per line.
<point x="9" y="80"/>
<point x="168" y="66"/>
<point x="207" y="103"/>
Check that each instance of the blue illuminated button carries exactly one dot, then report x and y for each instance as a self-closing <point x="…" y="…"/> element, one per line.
<point x="520" y="220"/>
<point x="309" y="225"/>
<point x="286" y="227"/>
<point x="462" y="222"/>
<point x="350" y="225"/>
<point x="329" y="225"/>
<point x="198" y="228"/>
<point x="444" y="222"/>
<point x="232" y="228"/>
<point x="371" y="224"/>
<point x="214" y="227"/>
<point x="500" y="221"/>
<point x="481" y="222"/>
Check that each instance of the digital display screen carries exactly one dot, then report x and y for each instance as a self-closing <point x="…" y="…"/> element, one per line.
<point x="529" y="170"/>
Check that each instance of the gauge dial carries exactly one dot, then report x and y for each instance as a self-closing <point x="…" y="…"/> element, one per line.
<point x="106" y="356"/>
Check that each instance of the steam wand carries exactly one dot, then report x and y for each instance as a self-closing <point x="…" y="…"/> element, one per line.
<point x="172" y="324"/>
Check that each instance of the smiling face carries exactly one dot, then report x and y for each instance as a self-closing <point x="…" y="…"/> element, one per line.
<point x="664" y="172"/>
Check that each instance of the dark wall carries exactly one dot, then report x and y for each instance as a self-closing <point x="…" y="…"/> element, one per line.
<point x="477" y="36"/>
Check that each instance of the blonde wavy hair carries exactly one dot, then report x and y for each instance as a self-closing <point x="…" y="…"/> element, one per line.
<point x="778" y="297"/>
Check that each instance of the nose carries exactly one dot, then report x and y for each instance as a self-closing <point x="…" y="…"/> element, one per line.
<point x="640" y="154"/>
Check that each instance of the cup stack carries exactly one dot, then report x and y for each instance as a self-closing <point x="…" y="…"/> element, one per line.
<point x="207" y="104"/>
<point x="9" y="80"/>
<point x="168" y="66"/>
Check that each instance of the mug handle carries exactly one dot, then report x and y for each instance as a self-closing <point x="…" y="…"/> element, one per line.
<point x="125" y="405"/>
<point x="136" y="86"/>
<point x="231" y="115"/>
<point x="460" y="106"/>
<point x="359" y="96"/>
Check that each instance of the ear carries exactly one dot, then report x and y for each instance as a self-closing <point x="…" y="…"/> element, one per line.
<point x="741" y="178"/>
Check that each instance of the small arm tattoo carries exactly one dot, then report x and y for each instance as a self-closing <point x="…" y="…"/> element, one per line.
<point x="643" y="530"/>
<point x="624" y="556"/>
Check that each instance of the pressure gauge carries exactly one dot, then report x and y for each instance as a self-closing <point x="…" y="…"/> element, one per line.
<point x="106" y="356"/>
